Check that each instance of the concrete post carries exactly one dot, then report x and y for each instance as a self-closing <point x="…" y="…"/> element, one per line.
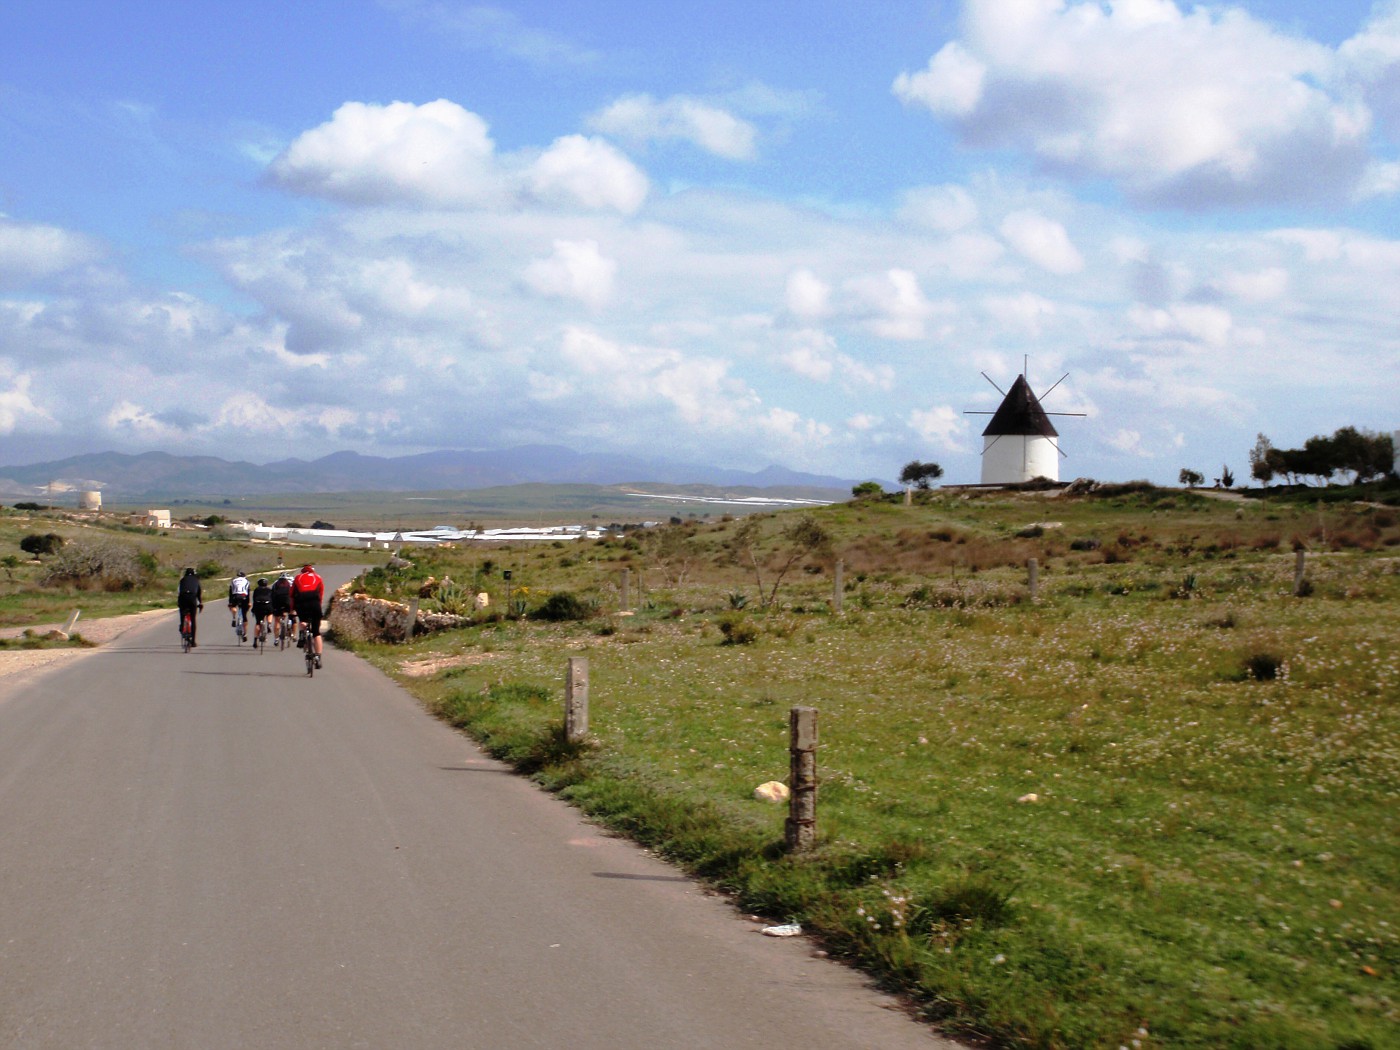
<point x="838" y="586"/>
<point x="1298" y="573"/>
<point x="1033" y="568"/>
<point x="410" y="620"/>
<point x="72" y="619"/>
<point x="626" y="590"/>
<point x="576" y="700"/>
<point x="801" y="830"/>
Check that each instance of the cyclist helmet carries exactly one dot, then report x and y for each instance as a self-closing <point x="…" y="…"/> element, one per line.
<point x="189" y="572"/>
<point x="308" y="568"/>
<point x="285" y="576"/>
<point x="262" y="582"/>
<point x="239" y="572"/>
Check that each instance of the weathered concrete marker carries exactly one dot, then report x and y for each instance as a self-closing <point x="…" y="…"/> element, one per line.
<point x="801" y="830"/>
<point x="576" y="700"/>
<point x="1299" y="579"/>
<point x="838" y="586"/>
<point x="1033" y="568"/>
<point x="626" y="590"/>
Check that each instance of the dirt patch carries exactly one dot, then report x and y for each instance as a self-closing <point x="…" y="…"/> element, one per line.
<point x="435" y="664"/>
<point x="15" y="662"/>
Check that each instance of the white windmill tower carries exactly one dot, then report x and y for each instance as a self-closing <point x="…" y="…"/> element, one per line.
<point x="1020" y="443"/>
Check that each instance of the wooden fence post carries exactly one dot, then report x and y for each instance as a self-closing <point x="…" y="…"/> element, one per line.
<point x="576" y="700"/>
<point x="1298" y="573"/>
<point x="801" y="830"/>
<point x="838" y="586"/>
<point x="1033" y="567"/>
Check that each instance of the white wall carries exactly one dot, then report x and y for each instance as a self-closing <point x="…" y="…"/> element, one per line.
<point x="1011" y="458"/>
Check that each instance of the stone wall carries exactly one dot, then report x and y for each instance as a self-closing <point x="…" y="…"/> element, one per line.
<point x="360" y="618"/>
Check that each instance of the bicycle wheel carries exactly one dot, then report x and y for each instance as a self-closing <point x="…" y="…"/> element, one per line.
<point x="185" y="630"/>
<point x="310" y="658"/>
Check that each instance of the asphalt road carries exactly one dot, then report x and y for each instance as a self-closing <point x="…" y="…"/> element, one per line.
<point x="212" y="851"/>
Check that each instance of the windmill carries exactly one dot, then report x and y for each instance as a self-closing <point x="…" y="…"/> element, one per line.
<point x="1020" y="443"/>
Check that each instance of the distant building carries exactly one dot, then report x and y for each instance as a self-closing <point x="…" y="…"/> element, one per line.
<point x="1019" y="443"/>
<point x="90" y="500"/>
<point x="152" y="519"/>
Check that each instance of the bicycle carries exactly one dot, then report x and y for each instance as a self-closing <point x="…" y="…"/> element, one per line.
<point x="304" y="641"/>
<point x="186" y="631"/>
<point x="240" y="624"/>
<point x="284" y="632"/>
<point x="260" y="638"/>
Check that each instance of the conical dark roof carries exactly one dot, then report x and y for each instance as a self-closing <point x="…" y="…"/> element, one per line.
<point x="1020" y="414"/>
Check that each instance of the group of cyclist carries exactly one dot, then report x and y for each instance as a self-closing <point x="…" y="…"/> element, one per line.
<point x="291" y="598"/>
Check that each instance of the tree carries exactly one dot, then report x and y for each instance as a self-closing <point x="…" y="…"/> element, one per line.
<point x="1262" y="463"/>
<point x="1227" y="476"/>
<point x="1363" y="452"/>
<point x="919" y="474"/>
<point x="1190" y="478"/>
<point x="803" y="537"/>
<point x="35" y="544"/>
<point x="868" y="490"/>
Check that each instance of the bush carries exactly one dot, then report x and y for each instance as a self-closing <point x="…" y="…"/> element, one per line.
<point x="99" y="563"/>
<point x="35" y="544"/>
<point x="564" y="605"/>
<point x="737" y="629"/>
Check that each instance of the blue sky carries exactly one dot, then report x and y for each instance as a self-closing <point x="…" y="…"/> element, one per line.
<point x="723" y="232"/>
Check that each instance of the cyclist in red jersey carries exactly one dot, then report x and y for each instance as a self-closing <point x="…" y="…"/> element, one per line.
<point x="308" y="595"/>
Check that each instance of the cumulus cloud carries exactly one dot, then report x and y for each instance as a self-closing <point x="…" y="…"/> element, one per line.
<point x="1042" y="241"/>
<point x="807" y="295"/>
<point x="589" y="172"/>
<point x="436" y="154"/>
<point x="1199" y="108"/>
<point x="894" y="305"/>
<point x="641" y="118"/>
<point x="942" y="426"/>
<point x="17" y="407"/>
<point x="576" y="270"/>
<point x="30" y="251"/>
<point x="441" y="155"/>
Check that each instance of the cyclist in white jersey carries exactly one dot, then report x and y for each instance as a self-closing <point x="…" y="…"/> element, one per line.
<point x="238" y="595"/>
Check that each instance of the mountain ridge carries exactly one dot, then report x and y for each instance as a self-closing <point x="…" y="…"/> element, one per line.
<point x="120" y="475"/>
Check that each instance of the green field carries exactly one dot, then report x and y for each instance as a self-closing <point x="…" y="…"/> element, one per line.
<point x="1153" y="807"/>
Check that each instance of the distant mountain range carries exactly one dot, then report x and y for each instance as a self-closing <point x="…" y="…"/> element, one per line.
<point x="160" y="475"/>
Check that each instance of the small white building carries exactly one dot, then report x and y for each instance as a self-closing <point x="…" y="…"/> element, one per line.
<point x="1019" y="443"/>
<point x="90" y="499"/>
<point x="154" y="519"/>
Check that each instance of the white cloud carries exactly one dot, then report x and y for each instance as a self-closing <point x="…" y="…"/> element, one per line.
<point x="29" y="251"/>
<point x="588" y="172"/>
<point x="1259" y="286"/>
<point x="1127" y="441"/>
<point x="437" y="154"/>
<point x="1042" y="241"/>
<point x="942" y="426"/>
<point x="1201" y="108"/>
<point x="1197" y="323"/>
<point x="642" y="118"/>
<point x="576" y="270"/>
<point x="808" y="296"/>
<point x="944" y="208"/>
<point x="484" y="27"/>
<point x="17" y="406"/>
<point x="894" y="304"/>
